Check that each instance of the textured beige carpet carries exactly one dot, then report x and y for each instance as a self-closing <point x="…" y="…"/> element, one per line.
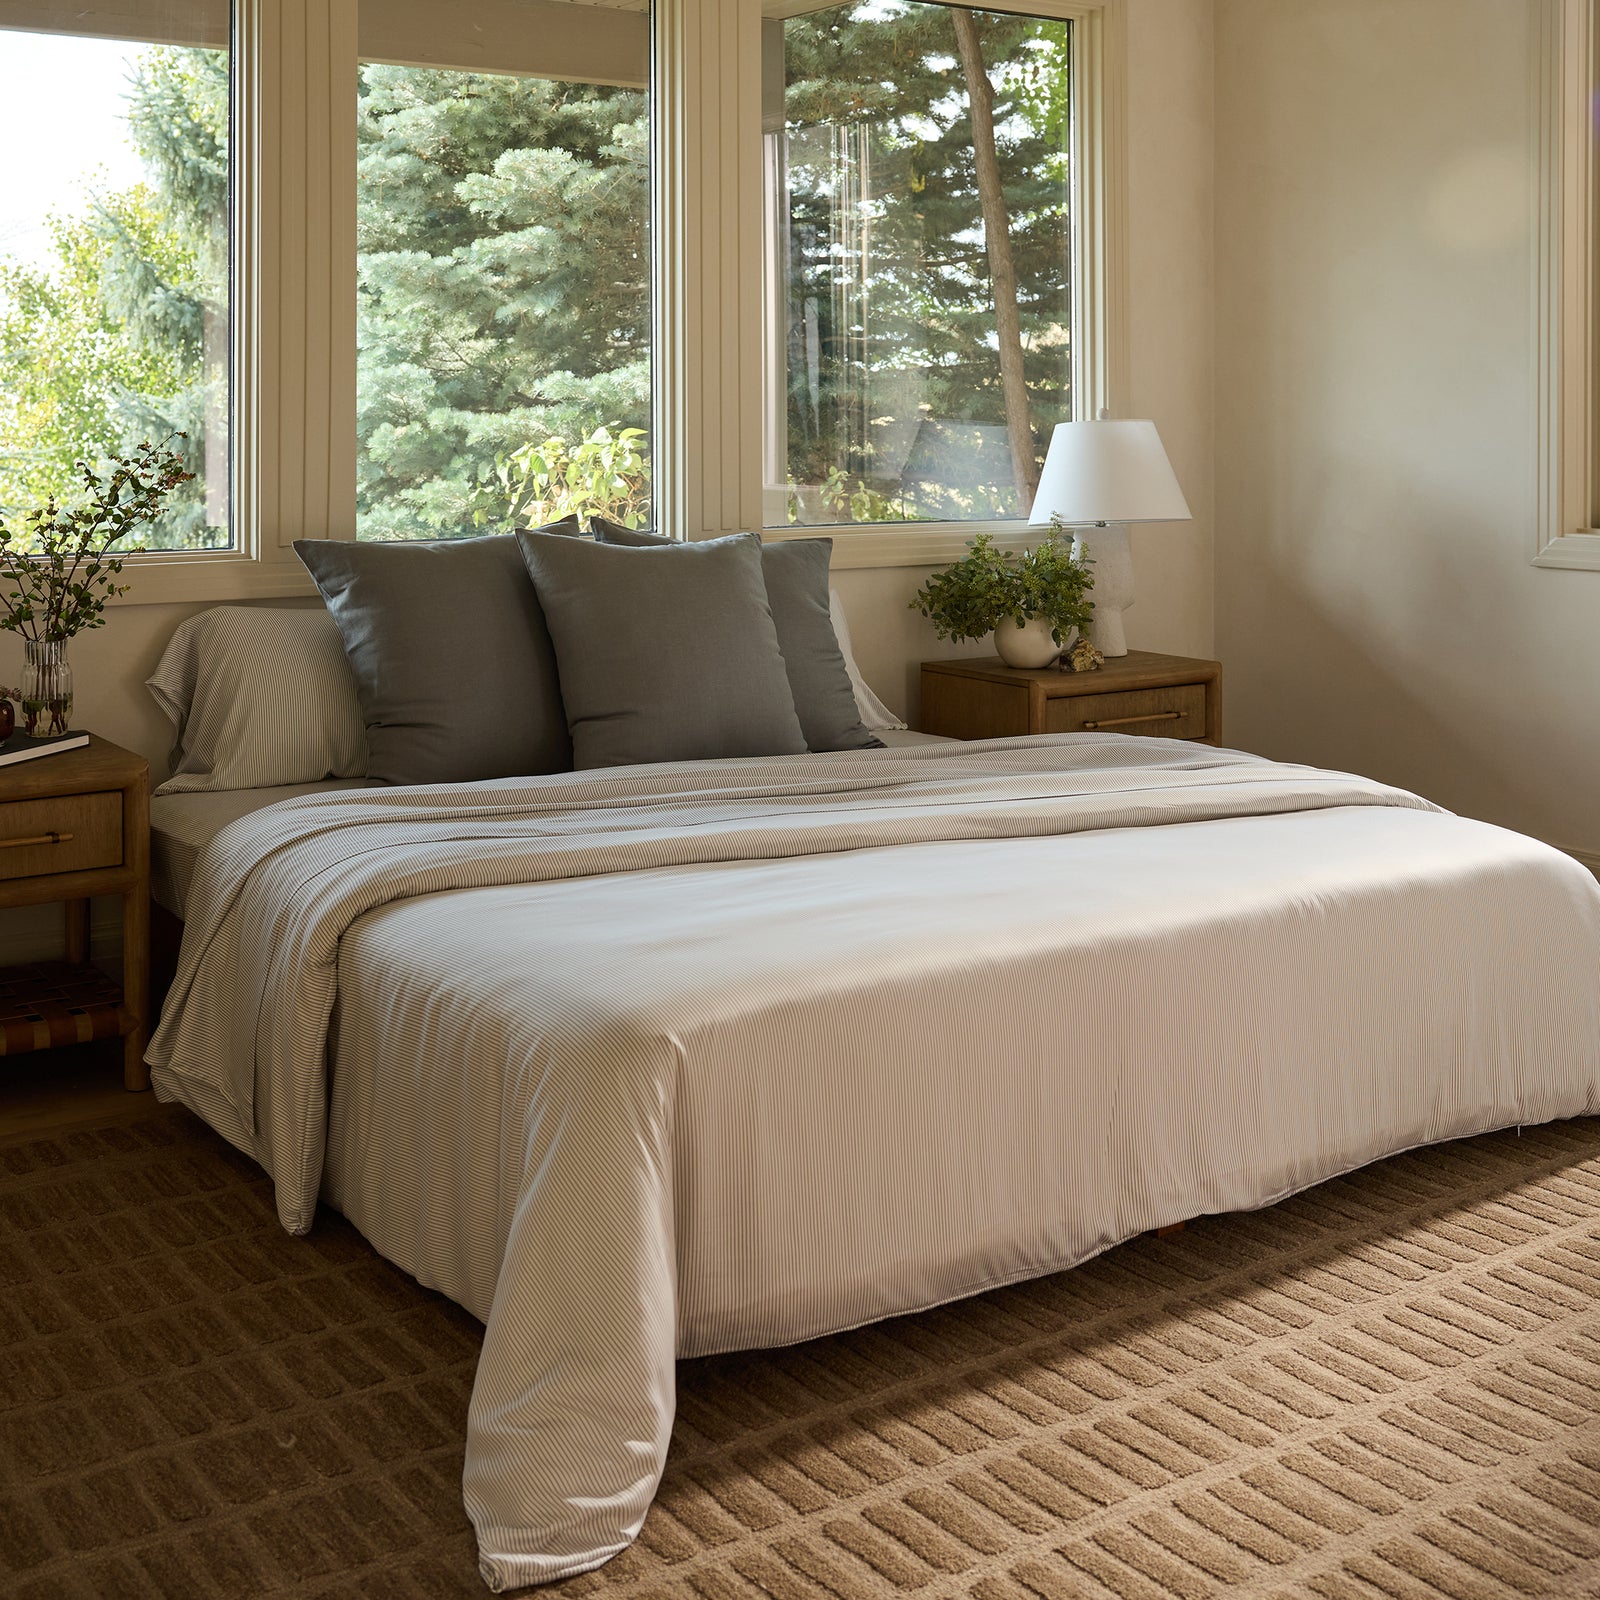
<point x="1389" y="1387"/>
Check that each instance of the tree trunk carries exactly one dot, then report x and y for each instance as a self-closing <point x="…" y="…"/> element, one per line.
<point x="1002" y="271"/>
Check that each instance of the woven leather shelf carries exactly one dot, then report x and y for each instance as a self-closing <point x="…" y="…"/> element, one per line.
<point x="52" y="1004"/>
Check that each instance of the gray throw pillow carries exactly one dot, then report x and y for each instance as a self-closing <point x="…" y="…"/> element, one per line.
<point x="666" y="654"/>
<point x="796" y="575"/>
<point x="453" y="664"/>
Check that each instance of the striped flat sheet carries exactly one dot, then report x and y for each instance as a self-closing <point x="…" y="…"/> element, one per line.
<point x="662" y="1061"/>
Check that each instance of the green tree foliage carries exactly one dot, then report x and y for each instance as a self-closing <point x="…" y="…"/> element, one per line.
<point x="503" y="288"/>
<point x="503" y="282"/>
<point x="121" y="335"/>
<point x="894" y="322"/>
<point x="606" y="474"/>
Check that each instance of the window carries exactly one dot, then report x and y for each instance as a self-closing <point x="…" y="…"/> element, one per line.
<point x="1567" y="288"/>
<point x="502" y="276"/>
<point x="114" y="250"/>
<point x="401" y="270"/>
<point x="919" y="244"/>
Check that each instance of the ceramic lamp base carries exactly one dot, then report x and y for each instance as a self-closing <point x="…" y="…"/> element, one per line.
<point x="1107" y="547"/>
<point x="1106" y="633"/>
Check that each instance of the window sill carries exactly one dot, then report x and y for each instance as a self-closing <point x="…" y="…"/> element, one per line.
<point x="220" y="576"/>
<point x="1574" y="551"/>
<point x="908" y="544"/>
<point x="211" y="575"/>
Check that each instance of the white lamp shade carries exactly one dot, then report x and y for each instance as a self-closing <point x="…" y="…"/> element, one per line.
<point x="1113" y="470"/>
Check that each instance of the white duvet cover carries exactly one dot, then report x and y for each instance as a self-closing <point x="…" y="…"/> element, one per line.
<point x="663" y="1061"/>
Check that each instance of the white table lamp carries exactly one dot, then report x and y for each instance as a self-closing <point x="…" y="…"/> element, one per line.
<point x="1097" y="478"/>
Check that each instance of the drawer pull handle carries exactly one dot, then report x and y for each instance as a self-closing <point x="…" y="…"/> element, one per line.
<point x="1122" y="722"/>
<point x="34" y="838"/>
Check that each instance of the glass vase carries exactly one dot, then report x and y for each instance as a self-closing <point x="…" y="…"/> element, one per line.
<point x="46" y="688"/>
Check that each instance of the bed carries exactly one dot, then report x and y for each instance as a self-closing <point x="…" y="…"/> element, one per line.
<point x="658" y="1061"/>
<point x="183" y="824"/>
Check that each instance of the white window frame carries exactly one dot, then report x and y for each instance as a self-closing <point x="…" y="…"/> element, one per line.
<point x="294" y="290"/>
<point x="710" y="317"/>
<point x="1566" y="296"/>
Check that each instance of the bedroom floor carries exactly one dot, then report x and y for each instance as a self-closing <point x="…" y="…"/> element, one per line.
<point x="56" y="1089"/>
<point x="1388" y="1386"/>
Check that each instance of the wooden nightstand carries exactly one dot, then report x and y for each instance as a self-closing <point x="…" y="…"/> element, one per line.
<point x="1175" y="697"/>
<point x="73" y="826"/>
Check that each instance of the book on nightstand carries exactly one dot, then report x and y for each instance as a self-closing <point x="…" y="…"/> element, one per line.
<point x="19" y="747"/>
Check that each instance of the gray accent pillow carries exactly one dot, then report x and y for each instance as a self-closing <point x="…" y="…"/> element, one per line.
<point x="609" y="532"/>
<point x="796" y="575"/>
<point x="667" y="654"/>
<point x="452" y="660"/>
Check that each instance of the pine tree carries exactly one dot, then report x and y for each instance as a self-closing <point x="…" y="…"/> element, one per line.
<point x="892" y="317"/>
<point x="503" y="273"/>
<point x="178" y="119"/>
<point x="503" y="290"/>
<point x="503" y="282"/>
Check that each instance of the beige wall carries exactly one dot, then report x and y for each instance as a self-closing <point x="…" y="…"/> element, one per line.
<point x="1170" y="290"/>
<point x="1375" y="604"/>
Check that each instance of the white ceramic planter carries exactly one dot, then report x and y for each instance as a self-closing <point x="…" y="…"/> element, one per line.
<point x="1027" y="646"/>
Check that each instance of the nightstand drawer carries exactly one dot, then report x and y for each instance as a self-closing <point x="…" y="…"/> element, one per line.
<point x="1142" y="692"/>
<point x="87" y="831"/>
<point x="1175" y="713"/>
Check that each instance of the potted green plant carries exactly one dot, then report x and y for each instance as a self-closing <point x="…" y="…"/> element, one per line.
<point x="58" y="572"/>
<point x="1034" y="603"/>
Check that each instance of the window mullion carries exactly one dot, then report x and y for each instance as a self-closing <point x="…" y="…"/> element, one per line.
<point x="706" y="214"/>
<point x="295" y="350"/>
<point x="1099" y="211"/>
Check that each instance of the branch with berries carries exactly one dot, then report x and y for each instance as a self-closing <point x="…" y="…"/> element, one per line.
<point x="60" y="572"/>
